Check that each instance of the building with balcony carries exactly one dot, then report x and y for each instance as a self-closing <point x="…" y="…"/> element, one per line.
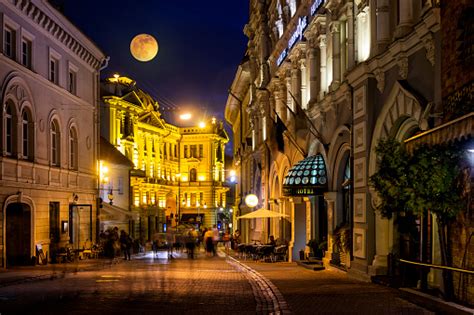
<point x="49" y="73"/>
<point x="178" y="172"/>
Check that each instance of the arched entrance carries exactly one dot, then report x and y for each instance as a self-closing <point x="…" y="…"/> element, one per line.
<point x="18" y="234"/>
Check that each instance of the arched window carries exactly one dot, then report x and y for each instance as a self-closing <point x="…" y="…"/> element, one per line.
<point x="192" y="175"/>
<point x="55" y="143"/>
<point x="9" y="128"/>
<point x="346" y="193"/>
<point x="73" y="149"/>
<point x="27" y="135"/>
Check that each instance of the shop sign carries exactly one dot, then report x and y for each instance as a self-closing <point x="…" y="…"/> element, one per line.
<point x="295" y="37"/>
<point x="316" y="5"/>
<point x="299" y="191"/>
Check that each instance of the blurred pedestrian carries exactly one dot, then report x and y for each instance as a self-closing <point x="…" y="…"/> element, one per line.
<point x="208" y="240"/>
<point x="215" y="239"/>
<point x="226" y="240"/>
<point x="126" y="244"/>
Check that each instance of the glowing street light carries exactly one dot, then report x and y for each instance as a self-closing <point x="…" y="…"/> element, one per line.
<point x="202" y="124"/>
<point x="251" y="200"/>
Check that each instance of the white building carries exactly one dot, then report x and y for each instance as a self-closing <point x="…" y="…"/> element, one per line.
<point x="49" y="76"/>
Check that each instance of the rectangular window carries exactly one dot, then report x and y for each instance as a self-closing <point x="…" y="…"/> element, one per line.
<point x="120" y="185"/>
<point x="26" y="53"/>
<point x="25" y="138"/>
<point x="54" y="221"/>
<point x="201" y="151"/>
<point x="72" y="78"/>
<point x="193" y="200"/>
<point x="201" y="198"/>
<point x="9" y="43"/>
<point x="186" y="151"/>
<point x="193" y="151"/>
<point x="53" y="70"/>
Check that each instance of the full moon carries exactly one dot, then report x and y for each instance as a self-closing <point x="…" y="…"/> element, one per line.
<point x="144" y="47"/>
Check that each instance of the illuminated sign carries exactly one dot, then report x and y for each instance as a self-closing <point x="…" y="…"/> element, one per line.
<point x="282" y="56"/>
<point x="298" y="34"/>
<point x="316" y="5"/>
<point x="295" y="37"/>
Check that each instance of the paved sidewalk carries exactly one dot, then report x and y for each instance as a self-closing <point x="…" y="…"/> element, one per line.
<point x="23" y="274"/>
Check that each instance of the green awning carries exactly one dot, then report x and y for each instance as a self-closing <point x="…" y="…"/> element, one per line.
<point x="307" y="177"/>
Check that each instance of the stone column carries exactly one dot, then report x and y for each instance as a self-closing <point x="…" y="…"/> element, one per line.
<point x="335" y="28"/>
<point x="323" y="76"/>
<point x="330" y="198"/>
<point x="296" y="83"/>
<point x="304" y="83"/>
<point x="383" y="25"/>
<point x="350" y="38"/>
<point x="405" y="9"/>
<point x="311" y="56"/>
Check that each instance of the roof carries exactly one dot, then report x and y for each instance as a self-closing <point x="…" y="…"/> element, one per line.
<point x="109" y="153"/>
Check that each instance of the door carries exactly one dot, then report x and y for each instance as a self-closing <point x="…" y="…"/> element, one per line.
<point x="18" y="235"/>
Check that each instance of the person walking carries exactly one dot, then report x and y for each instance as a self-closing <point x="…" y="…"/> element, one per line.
<point x="215" y="239"/>
<point x="208" y="240"/>
<point x="226" y="240"/>
<point x="125" y="245"/>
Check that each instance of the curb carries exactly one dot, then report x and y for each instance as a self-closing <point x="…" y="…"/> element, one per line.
<point x="269" y="299"/>
<point x="438" y="305"/>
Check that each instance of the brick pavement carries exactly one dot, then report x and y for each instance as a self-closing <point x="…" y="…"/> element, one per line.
<point x="209" y="284"/>
<point x="331" y="291"/>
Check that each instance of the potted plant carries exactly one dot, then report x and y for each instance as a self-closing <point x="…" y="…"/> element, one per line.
<point x="317" y="248"/>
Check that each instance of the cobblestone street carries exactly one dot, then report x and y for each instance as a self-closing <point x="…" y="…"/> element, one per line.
<point x="216" y="285"/>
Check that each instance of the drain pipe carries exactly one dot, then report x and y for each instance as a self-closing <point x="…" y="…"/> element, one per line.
<point x="240" y="156"/>
<point x="105" y="64"/>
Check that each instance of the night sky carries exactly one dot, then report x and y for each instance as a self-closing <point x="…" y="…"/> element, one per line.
<point x="201" y="43"/>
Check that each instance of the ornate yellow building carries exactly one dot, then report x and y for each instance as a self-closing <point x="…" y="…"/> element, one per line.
<point x="169" y="161"/>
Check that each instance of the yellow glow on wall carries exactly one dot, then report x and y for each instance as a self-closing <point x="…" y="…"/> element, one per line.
<point x="184" y="178"/>
<point x="201" y="178"/>
<point x="363" y="38"/>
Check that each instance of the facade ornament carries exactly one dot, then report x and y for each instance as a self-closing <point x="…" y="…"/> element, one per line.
<point x="402" y="62"/>
<point x="335" y="27"/>
<point x="380" y="77"/>
<point x="428" y="42"/>
<point x="322" y="41"/>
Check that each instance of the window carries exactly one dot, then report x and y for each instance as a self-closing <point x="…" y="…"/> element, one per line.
<point x="201" y="151"/>
<point x="72" y="82"/>
<point x="120" y="185"/>
<point x="55" y="141"/>
<point x="192" y="175"/>
<point x="186" y="151"/>
<point x="9" y="42"/>
<point x="73" y="149"/>
<point x="193" y="151"/>
<point x="53" y="70"/>
<point x="26" y="135"/>
<point x="26" y="53"/>
<point x="54" y="221"/>
<point x="9" y="128"/>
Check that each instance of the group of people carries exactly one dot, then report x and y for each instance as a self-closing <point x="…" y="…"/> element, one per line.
<point x="114" y="244"/>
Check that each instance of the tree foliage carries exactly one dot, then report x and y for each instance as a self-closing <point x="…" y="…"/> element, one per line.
<point x="427" y="179"/>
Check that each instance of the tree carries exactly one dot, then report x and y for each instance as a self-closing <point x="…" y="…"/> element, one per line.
<point x="427" y="179"/>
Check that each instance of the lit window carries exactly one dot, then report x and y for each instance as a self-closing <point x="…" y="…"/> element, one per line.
<point x="292" y="7"/>
<point x="73" y="149"/>
<point x="9" y="43"/>
<point x="192" y="175"/>
<point x="55" y="141"/>
<point x="26" y="53"/>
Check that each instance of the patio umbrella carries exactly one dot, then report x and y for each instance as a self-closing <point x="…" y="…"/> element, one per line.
<point x="262" y="213"/>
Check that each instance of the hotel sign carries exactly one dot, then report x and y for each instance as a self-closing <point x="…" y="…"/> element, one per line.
<point x="295" y="37"/>
<point x="316" y="5"/>
<point x="302" y="191"/>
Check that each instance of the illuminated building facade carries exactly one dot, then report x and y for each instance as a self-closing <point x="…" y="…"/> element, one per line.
<point x="49" y="73"/>
<point x="177" y="174"/>
<point x="320" y="84"/>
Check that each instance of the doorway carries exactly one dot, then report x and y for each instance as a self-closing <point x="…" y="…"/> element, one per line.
<point x="80" y="223"/>
<point x="18" y="234"/>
